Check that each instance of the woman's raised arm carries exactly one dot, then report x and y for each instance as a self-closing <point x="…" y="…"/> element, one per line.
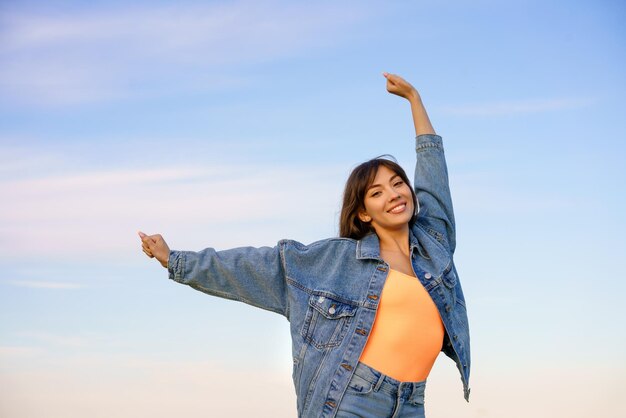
<point x="400" y="87"/>
<point x="431" y="172"/>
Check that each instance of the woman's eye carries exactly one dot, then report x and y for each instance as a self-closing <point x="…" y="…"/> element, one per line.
<point x="375" y="194"/>
<point x="398" y="183"/>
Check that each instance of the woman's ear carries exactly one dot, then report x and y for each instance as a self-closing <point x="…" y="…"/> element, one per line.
<point x="364" y="217"/>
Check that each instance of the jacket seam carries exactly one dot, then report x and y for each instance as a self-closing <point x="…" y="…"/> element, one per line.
<point x="281" y="254"/>
<point x="297" y="285"/>
<point x="425" y="146"/>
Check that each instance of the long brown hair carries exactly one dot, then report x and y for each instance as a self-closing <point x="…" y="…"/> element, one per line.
<point x="361" y="178"/>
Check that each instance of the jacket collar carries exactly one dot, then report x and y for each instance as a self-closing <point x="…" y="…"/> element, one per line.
<point x="369" y="246"/>
<point x="419" y="242"/>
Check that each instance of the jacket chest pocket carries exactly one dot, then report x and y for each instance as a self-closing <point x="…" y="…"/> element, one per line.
<point x="327" y="321"/>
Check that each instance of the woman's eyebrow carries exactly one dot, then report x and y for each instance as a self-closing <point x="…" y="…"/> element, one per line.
<point x="378" y="185"/>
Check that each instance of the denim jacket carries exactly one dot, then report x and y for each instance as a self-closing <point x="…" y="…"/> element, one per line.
<point x="329" y="290"/>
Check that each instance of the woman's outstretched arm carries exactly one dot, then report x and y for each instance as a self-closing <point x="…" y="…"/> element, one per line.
<point x="255" y="276"/>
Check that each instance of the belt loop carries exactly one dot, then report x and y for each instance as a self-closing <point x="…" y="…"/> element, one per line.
<point x="379" y="383"/>
<point x="417" y="392"/>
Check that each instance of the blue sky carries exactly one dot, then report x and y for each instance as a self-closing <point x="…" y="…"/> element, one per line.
<point x="236" y="123"/>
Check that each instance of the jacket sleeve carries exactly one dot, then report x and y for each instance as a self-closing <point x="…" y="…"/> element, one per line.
<point x="255" y="276"/>
<point x="433" y="191"/>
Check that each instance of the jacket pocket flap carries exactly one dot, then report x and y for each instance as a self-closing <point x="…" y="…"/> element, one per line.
<point x="331" y="308"/>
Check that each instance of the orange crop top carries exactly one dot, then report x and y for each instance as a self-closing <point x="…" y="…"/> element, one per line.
<point x="407" y="335"/>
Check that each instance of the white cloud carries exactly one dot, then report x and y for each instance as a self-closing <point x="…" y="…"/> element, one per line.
<point x="42" y="284"/>
<point x="18" y="352"/>
<point x="90" y="56"/>
<point x="56" y="340"/>
<point x="513" y="107"/>
<point x="18" y="161"/>
<point x="97" y="213"/>
<point x="109" y="178"/>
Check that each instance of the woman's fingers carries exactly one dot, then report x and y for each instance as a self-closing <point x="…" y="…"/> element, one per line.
<point x="399" y="86"/>
<point x="146" y="243"/>
<point x="392" y="78"/>
<point x="149" y="238"/>
<point x="154" y="246"/>
<point x="150" y="242"/>
<point x="394" y="83"/>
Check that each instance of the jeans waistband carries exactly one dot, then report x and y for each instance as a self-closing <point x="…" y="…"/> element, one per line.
<point x="390" y="385"/>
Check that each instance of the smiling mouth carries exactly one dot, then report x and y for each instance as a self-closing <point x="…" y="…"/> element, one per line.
<point x="398" y="209"/>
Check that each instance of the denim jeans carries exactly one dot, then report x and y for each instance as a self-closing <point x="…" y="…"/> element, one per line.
<point x="371" y="394"/>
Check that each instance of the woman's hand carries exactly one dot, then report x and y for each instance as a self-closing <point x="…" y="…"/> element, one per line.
<point x="155" y="247"/>
<point x="400" y="87"/>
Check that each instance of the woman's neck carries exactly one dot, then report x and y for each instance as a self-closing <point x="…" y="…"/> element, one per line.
<point x="394" y="250"/>
<point x="394" y="240"/>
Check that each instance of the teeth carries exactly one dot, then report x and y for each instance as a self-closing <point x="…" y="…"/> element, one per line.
<point x="398" y="209"/>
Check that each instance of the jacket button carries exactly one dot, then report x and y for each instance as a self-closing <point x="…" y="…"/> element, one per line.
<point x="428" y="275"/>
<point x="332" y="310"/>
<point x="448" y="308"/>
<point x="361" y="331"/>
<point x="346" y="366"/>
<point x="373" y="297"/>
<point x="331" y="404"/>
<point x="456" y="337"/>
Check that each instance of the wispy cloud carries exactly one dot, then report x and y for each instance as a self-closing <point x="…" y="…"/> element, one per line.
<point x="19" y="160"/>
<point x="90" y="56"/>
<point x="42" y="284"/>
<point x="513" y="107"/>
<point x="49" y="339"/>
<point x="106" y="178"/>
<point x="98" y="211"/>
<point x="11" y="352"/>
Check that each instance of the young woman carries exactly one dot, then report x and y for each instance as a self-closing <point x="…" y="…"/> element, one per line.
<point x="369" y="311"/>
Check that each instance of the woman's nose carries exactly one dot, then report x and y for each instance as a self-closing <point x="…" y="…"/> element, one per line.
<point x="394" y="195"/>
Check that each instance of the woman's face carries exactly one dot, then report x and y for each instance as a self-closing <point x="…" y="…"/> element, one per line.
<point x="388" y="202"/>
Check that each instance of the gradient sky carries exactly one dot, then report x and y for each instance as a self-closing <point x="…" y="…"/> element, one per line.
<point x="236" y="123"/>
